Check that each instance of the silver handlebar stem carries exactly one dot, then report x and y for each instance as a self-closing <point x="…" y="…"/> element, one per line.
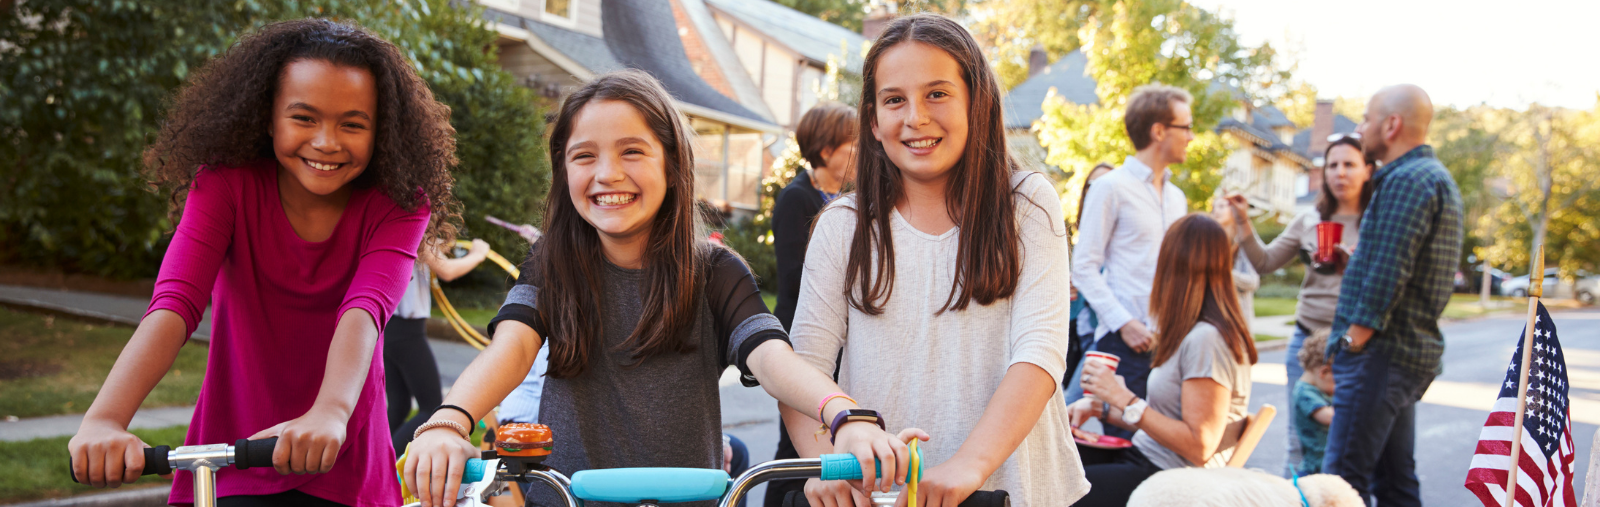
<point x="558" y="482"/>
<point x="771" y="470"/>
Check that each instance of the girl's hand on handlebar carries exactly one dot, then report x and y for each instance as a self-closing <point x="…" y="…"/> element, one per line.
<point x="820" y="493"/>
<point x="106" y="455"/>
<point x="946" y="485"/>
<point x="868" y="442"/>
<point x="434" y="466"/>
<point x="308" y="444"/>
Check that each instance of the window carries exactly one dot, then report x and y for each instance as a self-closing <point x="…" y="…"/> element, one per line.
<point x="727" y="167"/>
<point x="561" y="8"/>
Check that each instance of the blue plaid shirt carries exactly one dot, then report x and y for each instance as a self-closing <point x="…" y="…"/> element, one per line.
<point x="1403" y="270"/>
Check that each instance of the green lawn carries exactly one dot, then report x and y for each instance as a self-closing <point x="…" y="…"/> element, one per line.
<point x="479" y="317"/>
<point x="1463" y="306"/>
<point x="771" y="299"/>
<point x="1271" y="307"/>
<point x="51" y="366"/>
<point x="37" y="469"/>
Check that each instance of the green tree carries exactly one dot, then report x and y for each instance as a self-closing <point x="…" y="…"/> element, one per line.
<point x="85" y="82"/>
<point x="845" y="13"/>
<point x="1130" y="44"/>
<point x="1542" y="181"/>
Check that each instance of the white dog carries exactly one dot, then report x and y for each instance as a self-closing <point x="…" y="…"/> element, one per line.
<point x="1237" y="487"/>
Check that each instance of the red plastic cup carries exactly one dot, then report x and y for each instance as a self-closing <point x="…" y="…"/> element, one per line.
<point x="1329" y="234"/>
<point x="1109" y="360"/>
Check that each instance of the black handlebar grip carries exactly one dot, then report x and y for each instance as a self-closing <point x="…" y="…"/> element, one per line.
<point x="155" y="461"/>
<point x="253" y="453"/>
<point x="978" y="499"/>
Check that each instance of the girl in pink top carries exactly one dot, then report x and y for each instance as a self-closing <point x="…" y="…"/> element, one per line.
<point x="310" y="158"/>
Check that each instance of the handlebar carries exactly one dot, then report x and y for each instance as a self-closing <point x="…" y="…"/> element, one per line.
<point x="978" y="499"/>
<point x="243" y="454"/>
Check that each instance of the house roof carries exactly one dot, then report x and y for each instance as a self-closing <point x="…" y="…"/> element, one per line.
<point x="802" y="33"/>
<point x="637" y="38"/>
<point x="1269" y="117"/>
<point x="1023" y="104"/>
<point x="1302" y="140"/>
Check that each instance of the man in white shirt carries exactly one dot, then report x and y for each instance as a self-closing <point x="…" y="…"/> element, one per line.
<point x="1125" y="215"/>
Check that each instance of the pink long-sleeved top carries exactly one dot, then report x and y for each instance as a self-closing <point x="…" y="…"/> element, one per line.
<point x="276" y="299"/>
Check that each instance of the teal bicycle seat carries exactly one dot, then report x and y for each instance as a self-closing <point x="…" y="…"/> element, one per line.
<point x="636" y="485"/>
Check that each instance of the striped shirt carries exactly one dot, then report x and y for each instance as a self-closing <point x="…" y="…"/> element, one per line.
<point x="1114" y="262"/>
<point x="1403" y="269"/>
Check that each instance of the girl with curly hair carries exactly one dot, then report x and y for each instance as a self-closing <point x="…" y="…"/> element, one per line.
<point x="641" y="313"/>
<point x="310" y="157"/>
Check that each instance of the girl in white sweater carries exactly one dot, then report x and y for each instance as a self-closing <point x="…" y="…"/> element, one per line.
<point x="944" y="280"/>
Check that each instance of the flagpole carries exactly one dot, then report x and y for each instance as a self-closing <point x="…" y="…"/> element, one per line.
<point x="1535" y="290"/>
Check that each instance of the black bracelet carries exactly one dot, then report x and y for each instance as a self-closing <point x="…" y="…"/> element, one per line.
<point x="470" y="420"/>
<point x="853" y="415"/>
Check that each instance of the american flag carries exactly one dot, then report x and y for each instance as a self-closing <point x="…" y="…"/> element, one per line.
<point x="1545" y="467"/>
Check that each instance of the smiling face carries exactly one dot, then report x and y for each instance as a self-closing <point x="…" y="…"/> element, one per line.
<point x="323" y="122"/>
<point x="920" y="114"/>
<point x="616" y="170"/>
<point x="1345" y="173"/>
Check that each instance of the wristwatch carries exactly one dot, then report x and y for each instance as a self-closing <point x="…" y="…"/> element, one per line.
<point x="1134" y="412"/>
<point x="1350" y="344"/>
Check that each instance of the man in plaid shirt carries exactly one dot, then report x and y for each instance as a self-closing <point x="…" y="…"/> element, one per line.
<point x="1386" y="346"/>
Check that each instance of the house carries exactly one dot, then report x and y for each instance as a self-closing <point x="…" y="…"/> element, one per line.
<point x="743" y="71"/>
<point x="1266" y="163"/>
<point x="554" y="46"/>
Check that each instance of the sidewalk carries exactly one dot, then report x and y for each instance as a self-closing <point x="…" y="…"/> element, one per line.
<point x="453" y="357"/>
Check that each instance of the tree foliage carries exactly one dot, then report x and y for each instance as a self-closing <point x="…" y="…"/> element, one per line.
<point x="84" y="83"/>
<point x="1131" y="44"/>
<point x="1536" y="170"/>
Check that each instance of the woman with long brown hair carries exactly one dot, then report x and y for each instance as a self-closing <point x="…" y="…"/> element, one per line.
<point x="943" y="280"/>
<point x="1199" y="387"/>
<point x="641" y="313"/>
<point x="1346" y="190"/>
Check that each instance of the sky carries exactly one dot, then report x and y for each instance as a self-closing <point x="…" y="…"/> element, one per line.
<point x="1463" y="52"/>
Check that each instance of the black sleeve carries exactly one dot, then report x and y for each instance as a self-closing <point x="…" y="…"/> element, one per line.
<point x="742" y="320"/>
<point x="522" y="301"/>
<point x="791" y="232"/>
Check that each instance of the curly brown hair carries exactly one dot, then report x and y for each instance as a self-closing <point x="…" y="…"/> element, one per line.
<point x="224" y="114"/>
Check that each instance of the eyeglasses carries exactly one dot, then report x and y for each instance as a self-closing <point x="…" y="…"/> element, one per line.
<point x="1337" y="137"/>
<point x="1185" y="127"/>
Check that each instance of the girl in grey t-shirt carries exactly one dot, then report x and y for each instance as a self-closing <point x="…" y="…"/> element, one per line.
<point x="1203" y="350"/>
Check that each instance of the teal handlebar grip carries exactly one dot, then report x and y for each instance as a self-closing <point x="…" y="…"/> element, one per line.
<point x="476" y="468"/>
<point x="844" y="467"/>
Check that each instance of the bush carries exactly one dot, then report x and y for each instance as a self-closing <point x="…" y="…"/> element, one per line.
<point x="91" y="79"/>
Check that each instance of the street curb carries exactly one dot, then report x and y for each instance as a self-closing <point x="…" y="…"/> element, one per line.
<point x="154" y="496"/>
<point x="1272" y="345"/>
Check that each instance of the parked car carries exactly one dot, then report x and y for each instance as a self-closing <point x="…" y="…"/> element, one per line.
<point x="1473" y="283"/>
<point x="1518" y="286"/>
<point x="1587" y="290"/>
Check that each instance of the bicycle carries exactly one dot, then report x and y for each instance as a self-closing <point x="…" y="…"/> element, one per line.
<point x="521" y="448"/>
<point x="204" y="461"/>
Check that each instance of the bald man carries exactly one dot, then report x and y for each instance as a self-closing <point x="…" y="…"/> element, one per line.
<point x="1387" y="346"/>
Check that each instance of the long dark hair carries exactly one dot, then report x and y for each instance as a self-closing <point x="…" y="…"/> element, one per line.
<point x="568" y="258"/>
<point x="1194" y="283"/>
<point x="1083" y="195"/>
<point x="979" y="197"/>
<point x="224" y="114"/>
<point x="1327" y="203"/>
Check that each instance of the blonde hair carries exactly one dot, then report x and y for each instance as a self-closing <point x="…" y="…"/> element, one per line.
<point x="1312" y="354"/>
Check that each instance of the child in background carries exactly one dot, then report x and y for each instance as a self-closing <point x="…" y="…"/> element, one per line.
<point x="1313" y="403"/>
<point x="310" y="157"/>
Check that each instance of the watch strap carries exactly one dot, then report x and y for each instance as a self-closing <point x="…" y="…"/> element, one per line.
<point x="854" y="415"/>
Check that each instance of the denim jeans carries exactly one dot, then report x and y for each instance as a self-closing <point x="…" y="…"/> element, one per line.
<point x="1291" y="366"/>
<point x="1133" y="367"/>
<point x="1372" y="441"/>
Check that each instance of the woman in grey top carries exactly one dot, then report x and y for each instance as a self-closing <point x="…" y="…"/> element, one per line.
<point x="1345" y="193"/>
<point x="1199" y="387"/>
<point x="641" y="313"/>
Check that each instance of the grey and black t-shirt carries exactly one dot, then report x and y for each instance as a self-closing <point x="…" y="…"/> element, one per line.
<point x="664" y="411"/>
